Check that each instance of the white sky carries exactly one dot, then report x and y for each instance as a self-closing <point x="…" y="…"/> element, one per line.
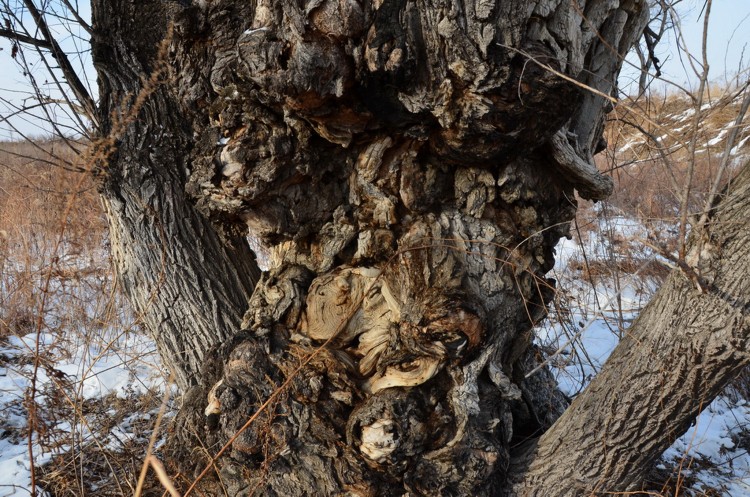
<point x="728" y="40"/>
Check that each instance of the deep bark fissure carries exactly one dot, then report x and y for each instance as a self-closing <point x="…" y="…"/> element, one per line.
<point x="187" y="286"/>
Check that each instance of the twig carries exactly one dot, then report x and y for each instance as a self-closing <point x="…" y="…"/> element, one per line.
<point x="19" y="37"/>
<point x="725" y="159"/>
<point x="78" y="18"/>
<point x="596" y="315"/>
<point x="693" y="143"/>
<point x="152" y="441"/>
<point x="161" y="473"/>
<point x="76" y="85"/>
<point x="700" y="283"/>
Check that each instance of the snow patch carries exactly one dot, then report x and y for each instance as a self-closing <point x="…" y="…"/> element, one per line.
<point x="715" y="449"/>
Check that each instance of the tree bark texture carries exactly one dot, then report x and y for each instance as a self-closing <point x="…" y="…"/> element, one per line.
<point x="188" y="287"/>
<point x="411" y="165"/>
<point x="675" y="359"/>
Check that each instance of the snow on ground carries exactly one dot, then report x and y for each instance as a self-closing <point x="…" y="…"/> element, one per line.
<point x="105" y="361"/>
<point x="87" y="353"/>
<point x="15" y="475"/>
<point x="95" y="372"/>
<point x="714" y="451"/>
<point x="128" y="366"/>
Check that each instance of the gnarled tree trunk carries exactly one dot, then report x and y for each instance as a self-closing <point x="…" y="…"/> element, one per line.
<point x="411" y="166"/>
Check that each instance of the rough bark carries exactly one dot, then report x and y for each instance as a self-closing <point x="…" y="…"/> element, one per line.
<point x="411" y="165"/>
<point x="188" y="286"/>
<point x="674" y="360"/>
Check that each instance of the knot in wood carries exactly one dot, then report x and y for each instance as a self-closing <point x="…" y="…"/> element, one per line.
<point x="334" y="299"/>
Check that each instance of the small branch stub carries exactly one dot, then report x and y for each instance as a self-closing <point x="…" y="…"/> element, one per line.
<point x="590" y="183"/>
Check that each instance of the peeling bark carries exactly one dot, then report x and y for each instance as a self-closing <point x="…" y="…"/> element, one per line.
<point x="402" y="162"/>
<point x="410" y="165"/>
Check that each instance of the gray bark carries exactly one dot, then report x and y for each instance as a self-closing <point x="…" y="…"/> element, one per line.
<point x="688" y="343"/>
<point x="188" y="287"/>
<point x="411" y="166"/>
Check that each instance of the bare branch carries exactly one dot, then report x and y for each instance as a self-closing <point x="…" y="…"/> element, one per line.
<point x="693" y="143"/>
<point x="731" y="139"/>
<point x="663" y="154"/>
<point x="70" y="74"/>
<point x="16" y="36"/>
<point x="78" y="18"/>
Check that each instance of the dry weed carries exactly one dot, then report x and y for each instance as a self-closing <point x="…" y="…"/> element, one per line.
<point x="61" y="290"/>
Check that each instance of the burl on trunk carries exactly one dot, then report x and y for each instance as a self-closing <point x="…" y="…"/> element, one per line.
<point x="410" y="165"/>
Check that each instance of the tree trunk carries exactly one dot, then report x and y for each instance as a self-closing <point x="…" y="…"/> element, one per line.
<point x="411" y="166"/>
<point x="688" y="343"/>
<point x="187" y="285"/>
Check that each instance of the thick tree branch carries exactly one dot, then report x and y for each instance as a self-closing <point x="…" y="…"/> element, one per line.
<point x="678" y="355"/>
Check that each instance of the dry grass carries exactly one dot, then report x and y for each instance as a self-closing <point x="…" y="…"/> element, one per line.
<point x="33" y="197"/>
<point x="669" y="142"/>
<point x="109" y="468"/>
<point x="56" y="285"/>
